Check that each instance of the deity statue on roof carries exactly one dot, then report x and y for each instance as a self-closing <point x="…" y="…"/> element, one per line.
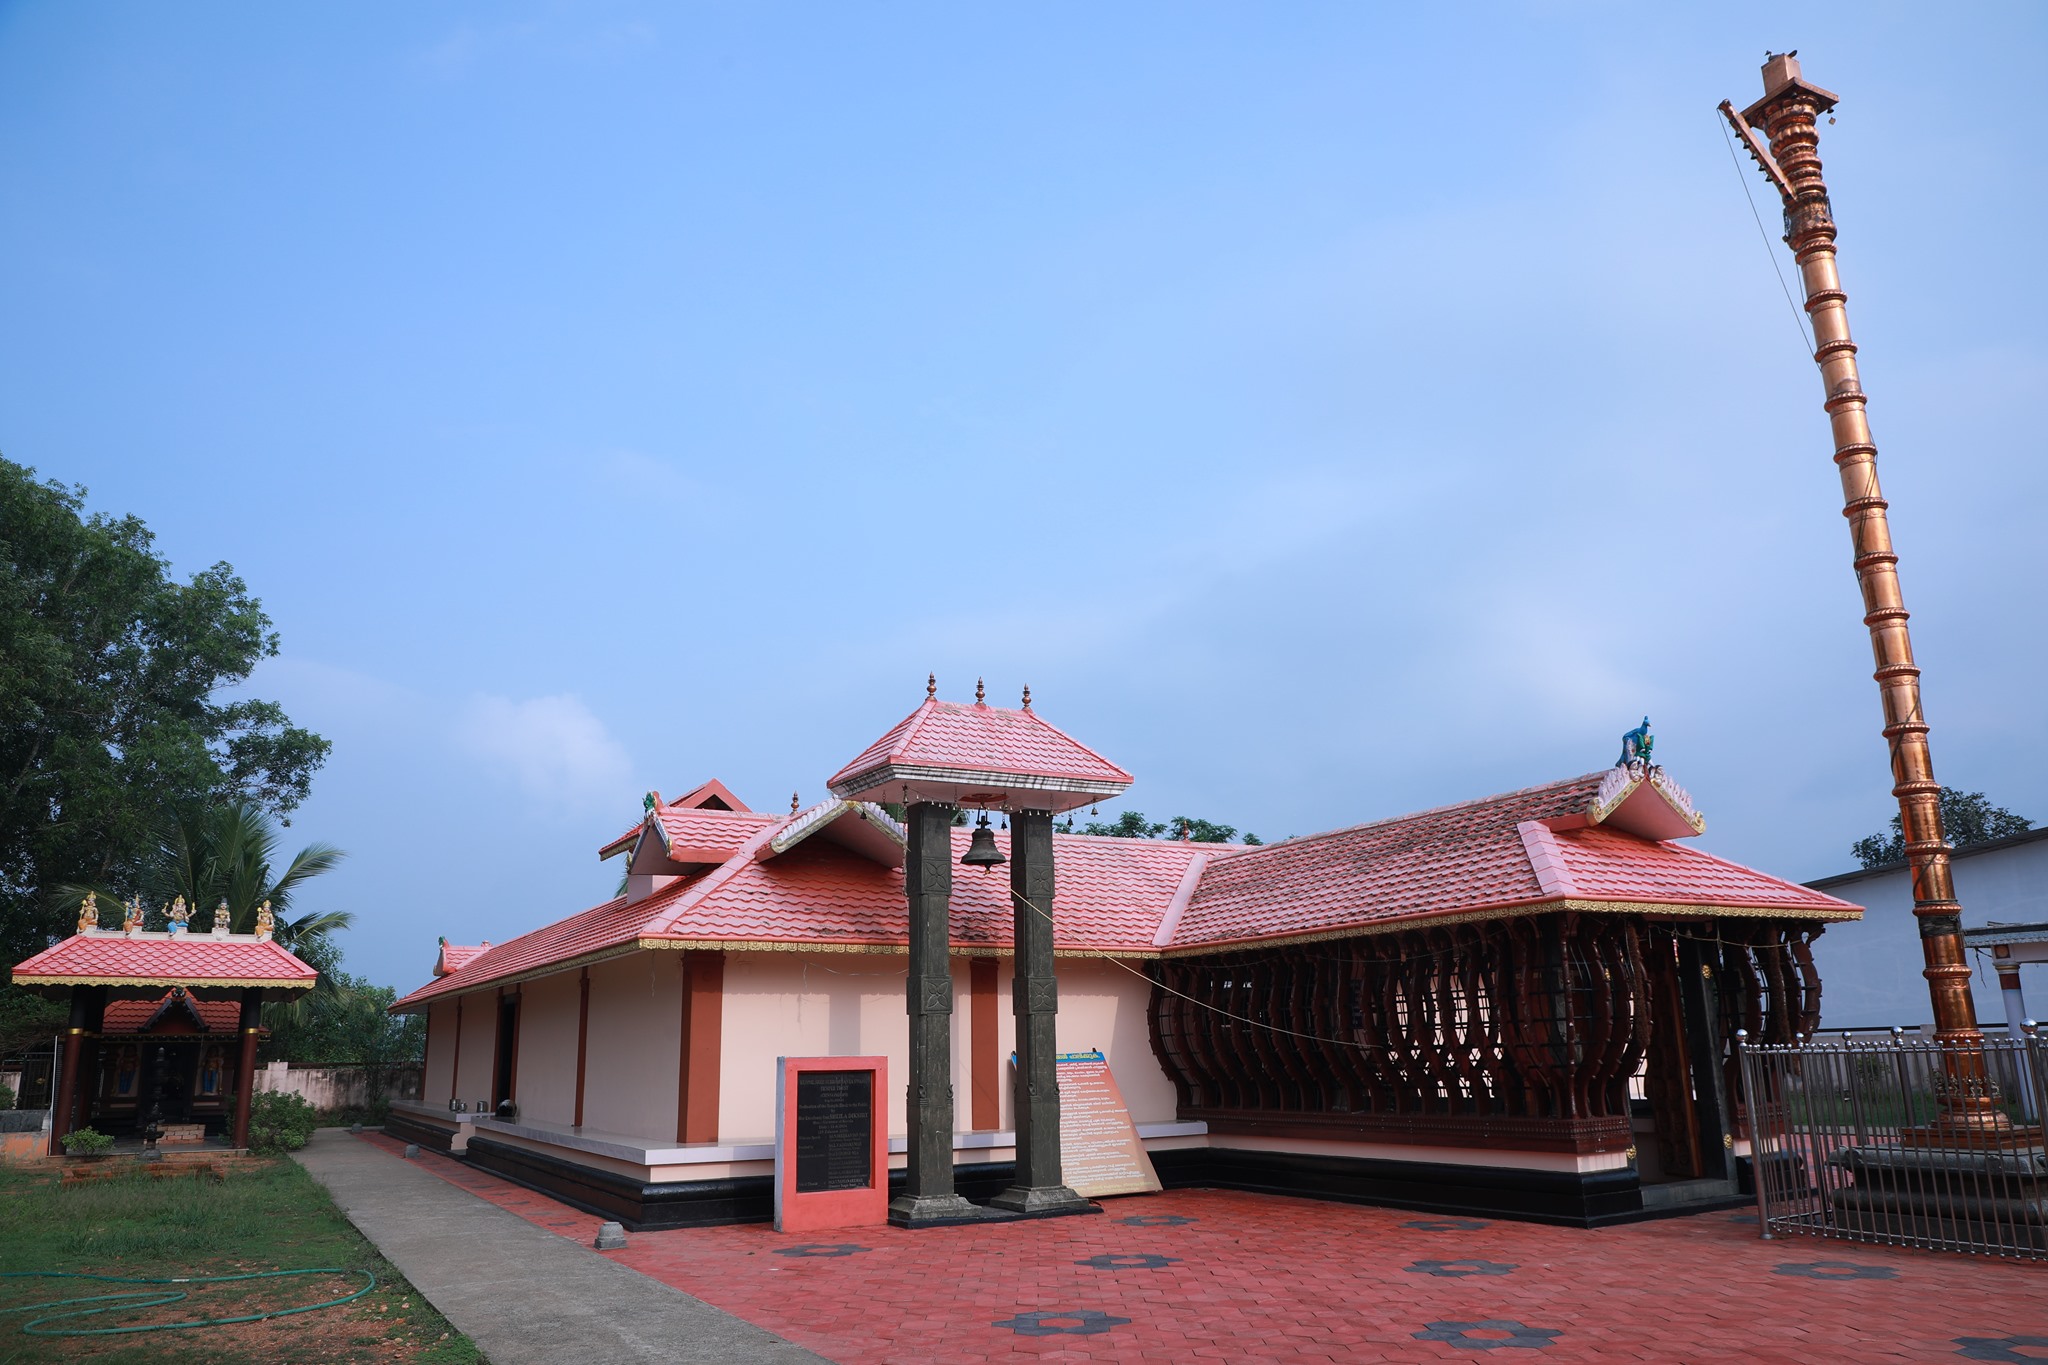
<point x="266" y="923"/>
<point x="89" y="913"/>
<point x="222" y="920"/>
<point x="132" y="922"/>
<point x="179" y="915"/>
<point x="1636" y="746"/>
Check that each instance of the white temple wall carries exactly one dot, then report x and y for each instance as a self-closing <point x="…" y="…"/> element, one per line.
<point x="545" y="1086"/>
<point x="634" y="1051"/>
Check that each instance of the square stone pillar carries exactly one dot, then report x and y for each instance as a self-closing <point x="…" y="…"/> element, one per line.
<point x="928" y="1195"/>
<point x="1040" y="1186"/>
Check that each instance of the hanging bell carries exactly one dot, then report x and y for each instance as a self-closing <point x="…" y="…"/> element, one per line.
<point x="981" y="849"/>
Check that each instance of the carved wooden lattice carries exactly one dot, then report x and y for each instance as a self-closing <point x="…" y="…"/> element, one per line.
<point x="1515" y="1031"/>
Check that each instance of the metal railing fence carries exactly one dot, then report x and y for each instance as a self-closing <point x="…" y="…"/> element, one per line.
<point x="1844" y="1142"/>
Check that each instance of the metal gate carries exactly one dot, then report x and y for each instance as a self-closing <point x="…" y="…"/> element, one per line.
<point x="1844" y="1145"/>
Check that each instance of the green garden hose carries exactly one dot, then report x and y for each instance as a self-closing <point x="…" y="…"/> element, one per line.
<point x="145" y="1298"/>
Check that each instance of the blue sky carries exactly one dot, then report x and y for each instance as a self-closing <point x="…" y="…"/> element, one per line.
<point x="1330" y="411"/>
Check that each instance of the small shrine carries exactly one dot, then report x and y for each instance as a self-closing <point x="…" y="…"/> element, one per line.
<point x="161" y="1040"/>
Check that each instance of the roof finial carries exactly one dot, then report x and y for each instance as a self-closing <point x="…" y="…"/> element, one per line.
<point x="979" y="693"/>
<point x="794" y="804"/>
<point x="1027" y="696"/>
<point x="931" y="686"/>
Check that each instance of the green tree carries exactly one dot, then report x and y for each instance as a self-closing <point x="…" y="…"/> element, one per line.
<point x="1966" y="818"/>
<point x="112" y="706"/>
<point x="346" y="1023"/>
<point x="1132" y="824"/>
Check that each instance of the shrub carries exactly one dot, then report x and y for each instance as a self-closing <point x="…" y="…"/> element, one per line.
<point x="6" y="1097"/>
<point x="279" y="1122"/>
<point x="86" y="1142"/>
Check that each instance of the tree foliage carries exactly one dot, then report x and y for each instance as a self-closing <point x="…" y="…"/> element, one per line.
<point x="1966" y="818"/>
<point x="1132" y="824"/>
<point x="343" y="1021"/>
<point x="111" y="707"/>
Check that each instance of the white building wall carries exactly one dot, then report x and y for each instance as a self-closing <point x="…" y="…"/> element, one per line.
<point x="1870" y="972"/>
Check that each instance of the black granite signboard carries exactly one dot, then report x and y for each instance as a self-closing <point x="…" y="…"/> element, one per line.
<point x="835" y="1130"/>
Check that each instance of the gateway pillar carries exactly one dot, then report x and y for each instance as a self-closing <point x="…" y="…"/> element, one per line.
<point x="928" y="1195"/>
<point x="1040" y="1186"/>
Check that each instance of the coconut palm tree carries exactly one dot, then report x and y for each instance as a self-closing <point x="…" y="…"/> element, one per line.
<point x="223" y="856"/>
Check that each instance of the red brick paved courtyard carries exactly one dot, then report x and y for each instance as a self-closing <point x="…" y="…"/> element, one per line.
<point x="1211" y="1275"/>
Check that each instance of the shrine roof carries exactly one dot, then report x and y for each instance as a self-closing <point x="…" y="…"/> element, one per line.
<point x="1590" y="844"/>
<point x="111" y="957"/>
<point x="1538" y="847"/>
<point x="970" y="741"/>
<point x="133" y="1016"/>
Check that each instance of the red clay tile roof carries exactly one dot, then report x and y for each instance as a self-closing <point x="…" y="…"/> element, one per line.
<point x="1110" y="897"/>
<point x="973" y="737"/>
<point x="702" y="836"/>
<point x="453" y="956"/>
<point x="1526" y="848"/>
<point x="1465" y="860"/>
<point x="614" y="924"/>
<point x="131" y="1016"/>
<point x="115" y="959"/>
<point x="711" y="796"/>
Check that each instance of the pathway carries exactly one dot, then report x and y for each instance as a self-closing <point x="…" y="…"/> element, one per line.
<point x="521" y="1291"/>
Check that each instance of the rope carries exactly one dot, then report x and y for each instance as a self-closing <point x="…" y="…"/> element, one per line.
<point x="144" y="1298"/>
<point x="1798" y="319"/>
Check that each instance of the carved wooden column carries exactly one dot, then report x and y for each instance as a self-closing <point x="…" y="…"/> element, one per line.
<point x="245" y="1065"/>
<point x="1040" y="1185"/>
<point x="929" y="1196"/>
<point x="88" y="1014"/>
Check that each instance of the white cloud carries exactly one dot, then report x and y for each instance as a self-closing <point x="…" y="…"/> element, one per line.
<point x="552" y="748"/>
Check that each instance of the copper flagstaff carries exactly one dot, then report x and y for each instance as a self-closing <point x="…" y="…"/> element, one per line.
<point x="1787" y="116"/>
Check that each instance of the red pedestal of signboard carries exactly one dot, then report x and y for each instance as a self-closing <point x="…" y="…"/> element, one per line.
<point x="831" y="1143"/>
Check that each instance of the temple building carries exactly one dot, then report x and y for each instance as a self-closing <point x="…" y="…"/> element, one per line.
<point x="1523" y="1005"/>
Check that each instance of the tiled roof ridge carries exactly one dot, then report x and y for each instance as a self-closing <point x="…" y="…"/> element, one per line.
<point x="1254" y="850"/>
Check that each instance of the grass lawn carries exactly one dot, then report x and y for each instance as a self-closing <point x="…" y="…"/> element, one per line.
<point x="267" y="1215"/>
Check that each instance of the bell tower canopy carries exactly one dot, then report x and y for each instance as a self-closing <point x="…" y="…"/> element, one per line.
<point x="974" y="754"/>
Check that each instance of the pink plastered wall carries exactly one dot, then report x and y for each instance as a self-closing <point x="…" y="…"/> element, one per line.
<point x="479" y="1048"/>
<point x="848" y="1004"/>
<point x="635" y="1045"/>
<point x="546" y="1084"/>
<point x="440" y="1052"/>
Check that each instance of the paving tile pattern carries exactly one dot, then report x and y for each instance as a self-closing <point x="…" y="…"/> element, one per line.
<point x="1257" y="1277"/>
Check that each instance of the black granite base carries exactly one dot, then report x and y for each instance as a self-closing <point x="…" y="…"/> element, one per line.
<point x="426" y="1135"/>
<point x="1572" y="1199"/>
<point x="1569" y="1198"/>
<point x="644" y="1205"/>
